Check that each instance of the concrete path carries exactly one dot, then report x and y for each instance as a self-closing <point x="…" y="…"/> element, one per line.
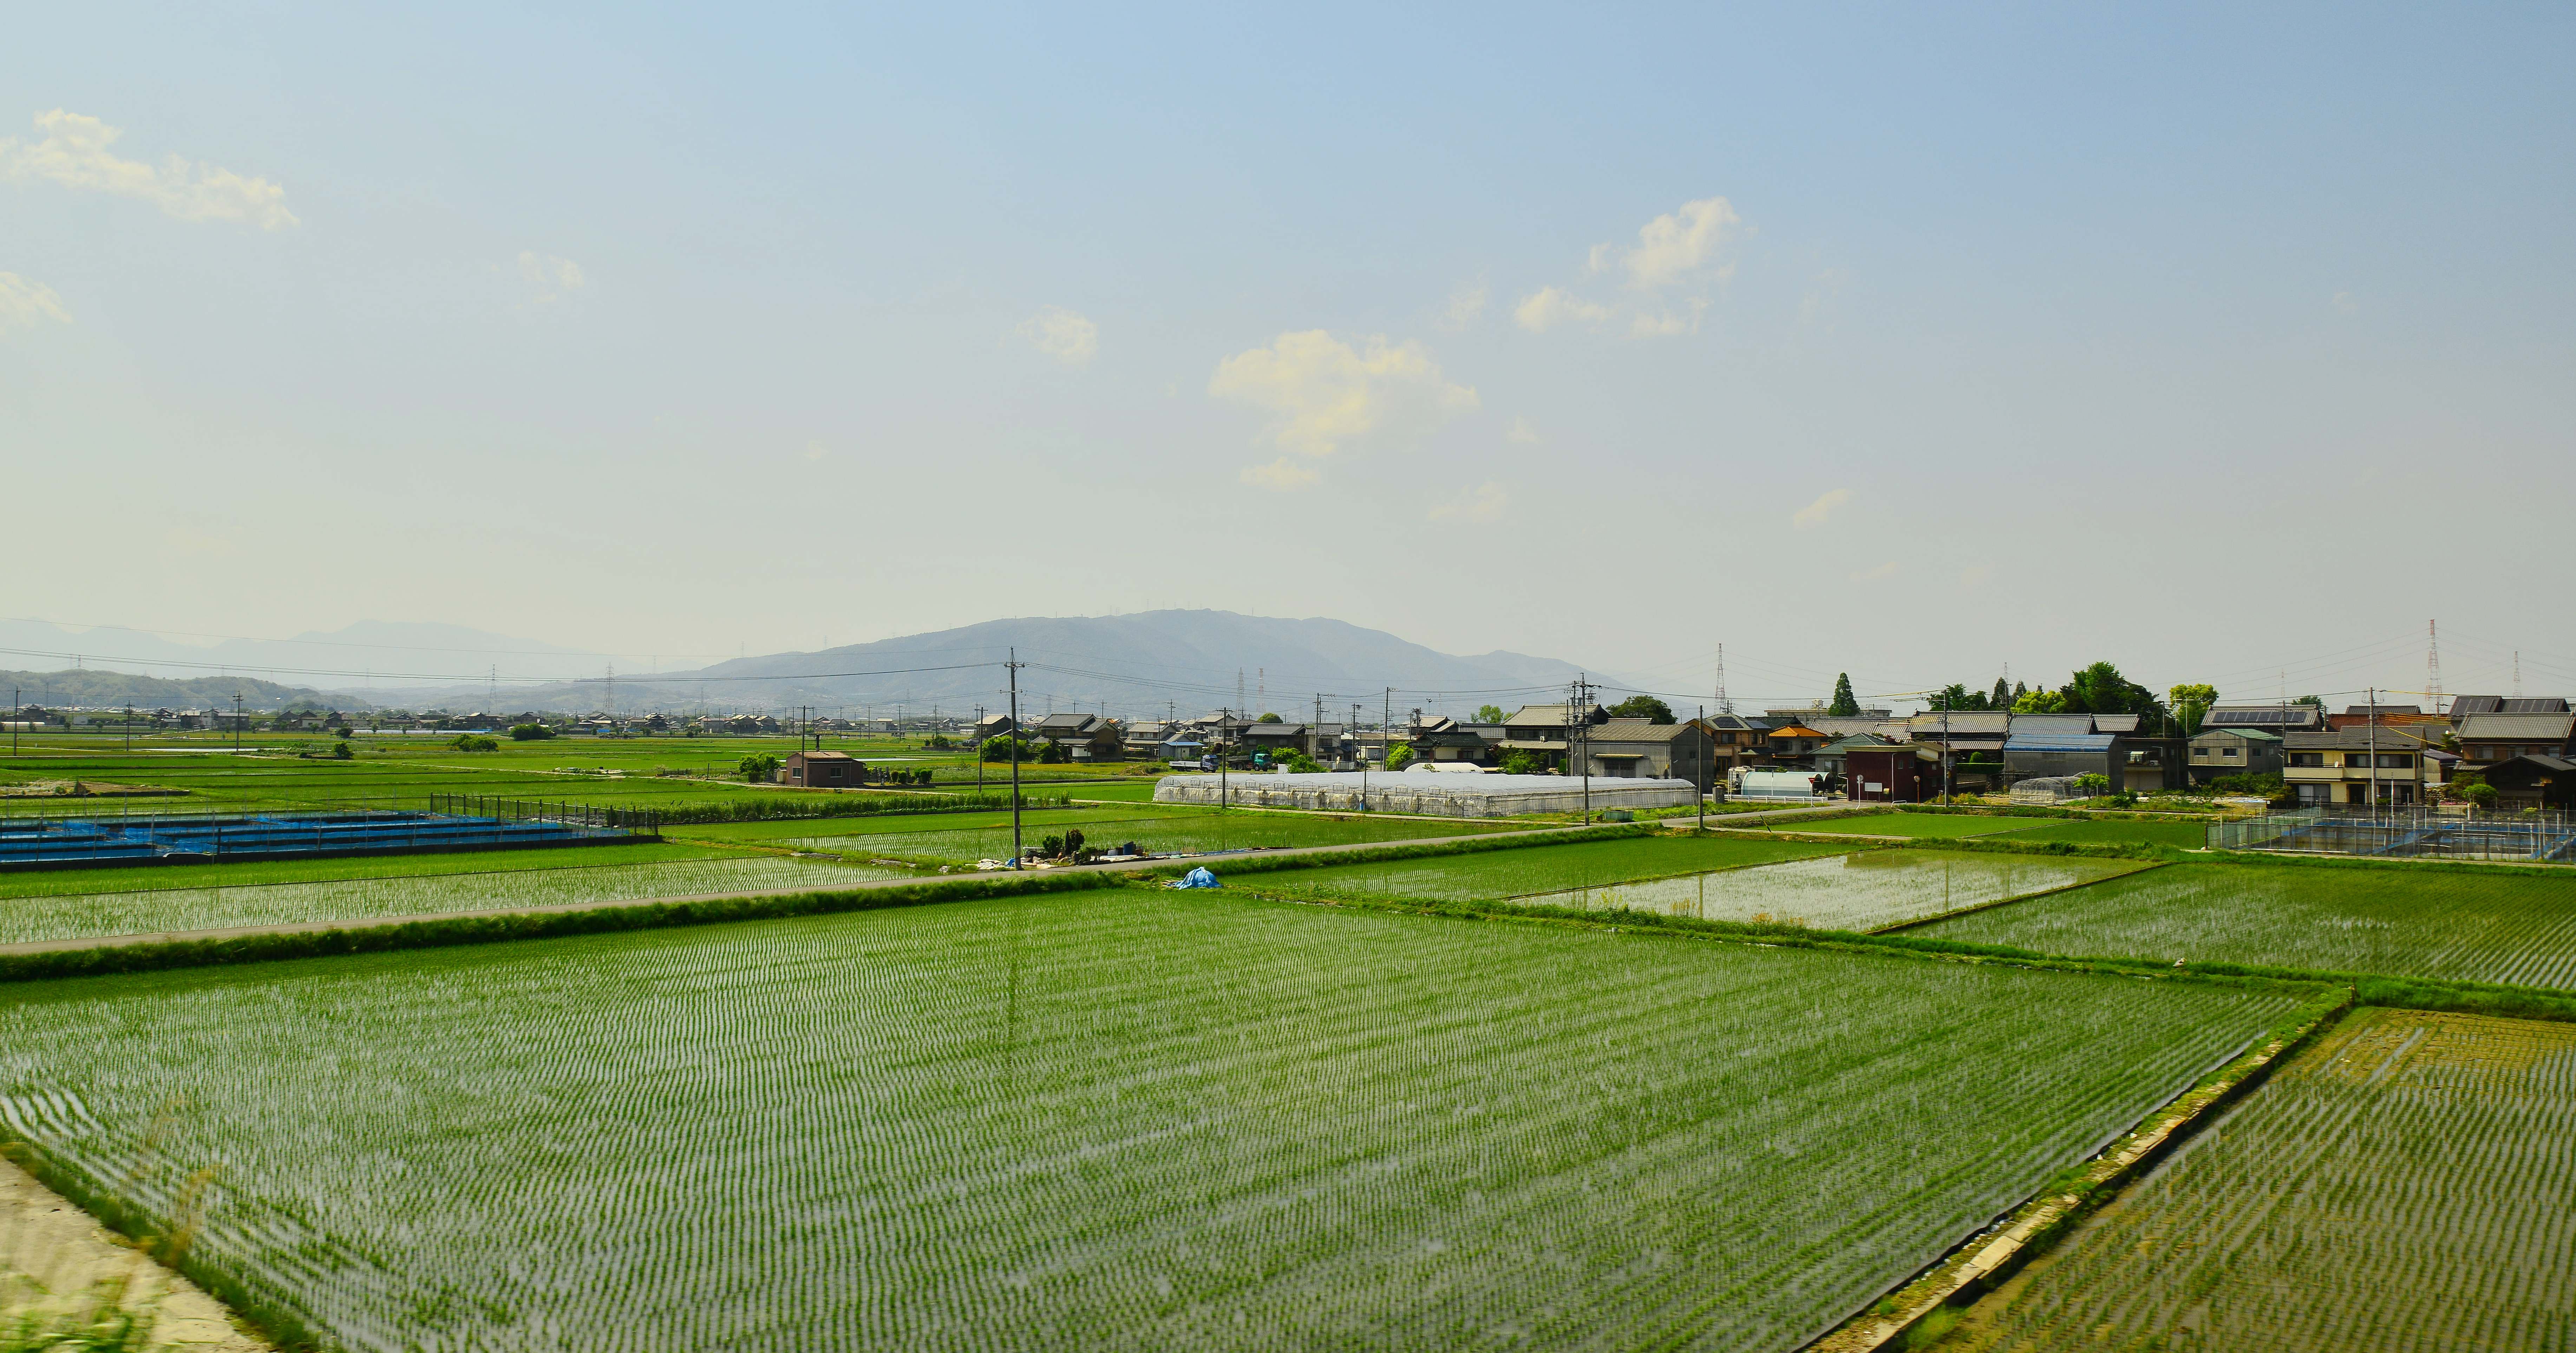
<point x="53" y="1258"/>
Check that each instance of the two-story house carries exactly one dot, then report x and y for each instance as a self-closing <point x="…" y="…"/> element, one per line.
<point x="2370" y="764"/>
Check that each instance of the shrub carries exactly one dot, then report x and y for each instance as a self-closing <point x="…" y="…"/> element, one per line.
<point x="1519" y="762"/>
<point x="1399" y="756"/>
<point x="998" y="748"/>
<point x="530" y="732"/>
<point x="340" y="751"/>
<point x="2092" y="784"/>
<point x="468" y="742"/>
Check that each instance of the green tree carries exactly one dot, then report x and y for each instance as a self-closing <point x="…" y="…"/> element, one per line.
<point x="998" y="748"/>
<point x="1845" y="704"/>
<point x="2002" y="697"/>
<point x="1957" y="697"/>
<point x="467" y="742"/>
<point x="1270" y="718"/>
<point x="530" y="732"/>
<point x="1399" y="756"/>
<point x="759" y="768"/>
<point x="1489" y="714"/>
<point x="2100" y="689"/>
<point x="2190" y="703"/>
<point x="2093" y="784"/>
<point x="2311" y="701"/>
<point x="1644" y="707"/>
<point x="1518" y="762"/>
<point x="2039" y="702"/>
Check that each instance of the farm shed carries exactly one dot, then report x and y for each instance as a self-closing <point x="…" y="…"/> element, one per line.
<point x="1468" y="795"/>
<point x="1901" y="772"/>
<point x="823" y="770"/>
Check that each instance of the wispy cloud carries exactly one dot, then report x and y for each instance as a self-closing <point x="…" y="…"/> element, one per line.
<point x="1466" y="305"/>
<point x="1486" y="502"/>
<point x="1279" y="475"/>
<point x="1814" y="514"/>
<point x="75" y="152"/>
<point x="25" y="304"/>
<point x="1886" y="570"/>
<point x="1521" y="430"/>
<point x="2347" y="303"/>
<point x="1548" y="307"/>
<point x="1325" y="394"/>
<point x="554" y="278"/>
<point x="1063" y="335"/>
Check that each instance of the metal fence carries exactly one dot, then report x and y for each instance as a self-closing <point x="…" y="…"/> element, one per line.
<point x="2412" y="831"/>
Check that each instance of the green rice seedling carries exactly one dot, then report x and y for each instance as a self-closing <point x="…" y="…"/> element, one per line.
<point x="1116" y="1118"/>
<point x="1492" y="875"/>
<point x="2401" y="1185"/>
<point x="80" y="915"/>
<point x="2503" y="925"/>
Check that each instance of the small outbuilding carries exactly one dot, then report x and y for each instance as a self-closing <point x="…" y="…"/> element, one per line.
<point x="823" y="770"/>
<point x="2234" y="751"/>
<point x="2534" y="782"/>
<point x="1904" y="772"/>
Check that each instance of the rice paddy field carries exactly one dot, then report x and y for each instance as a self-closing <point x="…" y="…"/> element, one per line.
<point x="1865" y="890"/>
<point x="781" y="830"/>
<point x="1952" y="826"/>
<point x="1491" y="875"/>
<point x="62" y="916"/>
<point x="1111" y="1120"/>
<point x="2403" y="1185"/>
<point x="936" y="839"/>
<point x="2499" y="924"/>
<point x="230" y="873"/>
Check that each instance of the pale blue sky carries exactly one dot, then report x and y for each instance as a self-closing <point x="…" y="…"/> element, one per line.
<point x="2208" y="341"/>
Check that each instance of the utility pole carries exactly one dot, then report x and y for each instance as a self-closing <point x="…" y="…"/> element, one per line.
<point x="1315" y="731"/>
<point x="2372" y="711"/>
<point x="1576" y="718"/>
<point x="1223" y="718"/>
<point x="979" y="751"/>
<point x="129" y="728"/>
<point x="237" y="721"/>
<point x="1014" y="665"/>
<point x="1354" y="731"/>
<point x="1385" y="726"/>
<point x="17" y="715"/>
<point x="1946" y="793"/>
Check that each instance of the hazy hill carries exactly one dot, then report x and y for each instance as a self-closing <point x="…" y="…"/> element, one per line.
<point x="94" y="689"/>
<point x="332" y="658"/>
<point x="1135" y="664"/>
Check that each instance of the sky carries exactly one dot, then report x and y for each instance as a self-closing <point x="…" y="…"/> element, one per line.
<point x="2229" y="344"/>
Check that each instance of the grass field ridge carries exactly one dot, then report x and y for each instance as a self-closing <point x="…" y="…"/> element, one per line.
<point x="1928" y="1303"/>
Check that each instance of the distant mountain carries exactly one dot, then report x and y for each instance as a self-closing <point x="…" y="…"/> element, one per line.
<point x="1133" y="664"/>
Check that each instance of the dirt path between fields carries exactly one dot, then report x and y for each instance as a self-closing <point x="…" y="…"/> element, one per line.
<point x="54" y="1257"/>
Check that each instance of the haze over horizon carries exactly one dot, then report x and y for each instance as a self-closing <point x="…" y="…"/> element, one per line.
<point x="2228" y="346"/>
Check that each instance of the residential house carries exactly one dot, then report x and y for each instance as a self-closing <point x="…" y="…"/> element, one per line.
<point x="2234" y="751"/>
<point x="1541" y="730"/>
<point x="992" y="726"/>
<point x="2489" y="738"/>
<point x="1793" y="746"/>
<point x="1269" y="743"/>
<point x="1738" y="740"/>
<point x="1638" y="749"/>
<point x="1143" y="739"/>
<point x="2534" y="782"/>
<point x="2354" y="716"/>
<point x="1831" y="760"/>
<point x="2363" y="765"/>
<point x="2462" y="706"/>
<point x="1447" y="740"/>
<point x="2061" y="746"/>
<point x="2278" y="718"/>
<point x="1086" y="737"/>
<point x="823" y="770"/>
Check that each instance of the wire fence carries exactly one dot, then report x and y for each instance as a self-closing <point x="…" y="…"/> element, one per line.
<point x="2411" y="831"/>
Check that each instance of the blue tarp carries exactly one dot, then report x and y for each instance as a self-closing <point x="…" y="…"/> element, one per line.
<point x="1198" y="878"/>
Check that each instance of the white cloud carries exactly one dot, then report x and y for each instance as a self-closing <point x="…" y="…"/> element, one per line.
<point x="1325" y="394"/>
<point x="814" y="450"/>
<point x="1814" y="514"/>
<point x="25" y="304"/>
<point x="1548" y="307"/>
<point x="2347" y="303"/>
<point x="1063" y="335"/>
<point x="75" y="153"/>
<point x="1521" y="430"/>
<point x="1466" y="305"/>
<point x="1678" y="246"/>
<point x="1279" y="475"/>
<point x="554" y="278"/>
<point x="1665" y="324"/>
<point x="1485" y="502"/>
<point x="1886" y="570"/>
